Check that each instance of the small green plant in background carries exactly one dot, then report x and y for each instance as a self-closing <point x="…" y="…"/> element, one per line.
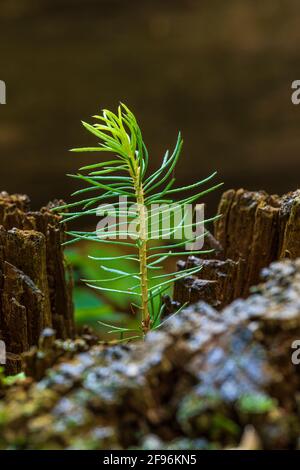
<point x="125" y="175"/>
<point x="92" y="305"/>
<point x="8" y="380"/>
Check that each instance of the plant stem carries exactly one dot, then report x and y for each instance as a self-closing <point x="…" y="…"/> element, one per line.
<point x="143" y="236"/>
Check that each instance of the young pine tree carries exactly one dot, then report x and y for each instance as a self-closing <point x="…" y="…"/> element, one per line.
<point x="125" y="175"/>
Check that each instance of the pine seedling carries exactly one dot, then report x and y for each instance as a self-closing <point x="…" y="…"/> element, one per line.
<point x="125" y="176"/>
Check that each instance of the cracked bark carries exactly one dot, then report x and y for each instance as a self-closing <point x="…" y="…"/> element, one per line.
<point x="254" y="230"/>
<point x="34" y="291"/>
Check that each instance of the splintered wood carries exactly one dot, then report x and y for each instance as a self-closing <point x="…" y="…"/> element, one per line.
<point x="34" y="290"/>
<point x="254" y="230"/>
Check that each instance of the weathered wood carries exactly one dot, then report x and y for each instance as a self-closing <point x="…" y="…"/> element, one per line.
<point x="258" y="228"/>
<point x="290" y="245"/>
<point x="218" y="283"/>
<point x="254" y="230"/>
<point x="34" y="291"/>
<point x="199" y="381"/>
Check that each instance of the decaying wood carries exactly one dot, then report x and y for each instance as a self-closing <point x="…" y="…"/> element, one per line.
<point x="34" y="291"/>
<point x="254" y="230"/>
<point x="218" y="283"/>
<point x="205" y="379"/>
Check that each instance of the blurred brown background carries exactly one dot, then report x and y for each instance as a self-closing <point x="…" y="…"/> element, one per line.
<point x="220" y="71"/>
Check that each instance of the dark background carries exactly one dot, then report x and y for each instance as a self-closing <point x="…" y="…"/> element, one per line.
<point x="220" y="71"/>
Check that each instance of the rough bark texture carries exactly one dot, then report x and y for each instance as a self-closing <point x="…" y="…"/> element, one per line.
<point x="34" y="291"/>
<point x="254" y="230"/>
<point x="206" y="379"/>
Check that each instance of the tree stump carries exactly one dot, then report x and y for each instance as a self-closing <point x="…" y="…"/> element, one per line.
<point x="254" y="230"/>
<point x="35" y="288"/>
<point x="201" y="381"/>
